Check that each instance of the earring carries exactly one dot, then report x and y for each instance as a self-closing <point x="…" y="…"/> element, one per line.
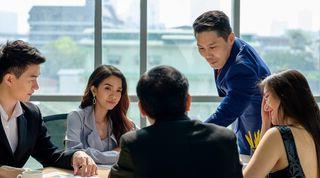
<point x="94" y="100"/>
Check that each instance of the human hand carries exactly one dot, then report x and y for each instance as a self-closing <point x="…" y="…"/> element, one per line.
<point x="8" y="171"/>
<point x="117" y="149"/>
<point x="83" y="164"/>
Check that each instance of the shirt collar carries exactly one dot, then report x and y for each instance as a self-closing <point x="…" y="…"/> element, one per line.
<point x="17" y="111"/>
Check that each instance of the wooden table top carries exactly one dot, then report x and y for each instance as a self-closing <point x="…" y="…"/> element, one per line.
<point x="52" y="172"/>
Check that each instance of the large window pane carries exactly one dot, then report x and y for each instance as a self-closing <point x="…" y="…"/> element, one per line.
<point x="171" y="40"/>
<point x="58" y="29"/>
<point x="202" y="111"/>
<point x="287" y="38"/>
<point x="120" y="38"/>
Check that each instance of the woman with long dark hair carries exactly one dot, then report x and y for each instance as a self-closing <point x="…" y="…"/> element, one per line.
<point x="292" y="147"/>
<point x="102" y="118"/>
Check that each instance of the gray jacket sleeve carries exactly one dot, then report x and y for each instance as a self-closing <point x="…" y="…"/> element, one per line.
<point x="73" y="140"/>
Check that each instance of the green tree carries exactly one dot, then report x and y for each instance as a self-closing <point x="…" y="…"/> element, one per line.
<point x="63" y="53"/>
<point x="287" y="59"/>
<point x="298" y="39"/>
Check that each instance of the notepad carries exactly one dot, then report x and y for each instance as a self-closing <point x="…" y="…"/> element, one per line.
<point x="61" y="175"/>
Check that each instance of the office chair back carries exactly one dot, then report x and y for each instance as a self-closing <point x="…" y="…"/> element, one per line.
<point x="56" y="125"/>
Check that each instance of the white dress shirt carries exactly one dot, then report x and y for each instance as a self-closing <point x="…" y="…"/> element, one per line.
<point x="10" y="125"/>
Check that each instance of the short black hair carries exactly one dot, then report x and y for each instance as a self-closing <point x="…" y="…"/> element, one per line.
<point x="16" y="56"/>
<point x="163" y="92"/>
<point x="216" y="21"/>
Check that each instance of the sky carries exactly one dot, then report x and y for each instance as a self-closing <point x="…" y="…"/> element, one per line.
<point x="258" y="17"/>
<point x="22" y="7"/>
<point x="272" y="16"/>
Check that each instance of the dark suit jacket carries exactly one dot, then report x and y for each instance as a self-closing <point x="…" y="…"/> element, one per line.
<point x="178" y="148"/>
<point x="33" y="140"/>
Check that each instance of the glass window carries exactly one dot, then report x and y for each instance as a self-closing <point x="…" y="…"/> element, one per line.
<point x="170" y="37"/>
<point x="154" y="60"/>
<point x="51" y="108"/>
<point x="202" y="111"/>
<point x="58" y="30"/>
<point x="286" y="38"/>
<point x="120" y="38"/>
<point x="114" y="59"/>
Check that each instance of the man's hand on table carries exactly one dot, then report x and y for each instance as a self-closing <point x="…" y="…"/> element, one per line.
<point x="83" y="164"/>
<point x="8" y="171"/>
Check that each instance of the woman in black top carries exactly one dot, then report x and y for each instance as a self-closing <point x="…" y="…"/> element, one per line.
<point x="292" y="147"/>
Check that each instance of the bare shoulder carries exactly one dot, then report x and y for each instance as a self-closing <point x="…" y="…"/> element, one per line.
<point x="268" y="153"/>
<point x="273" y="139"/>
<point x="273" y="133"/>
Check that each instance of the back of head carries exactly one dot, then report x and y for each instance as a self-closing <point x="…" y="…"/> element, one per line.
<point x="216" y="21"/>
<point x="163" y="92"/>
<point x="16" y="56"/>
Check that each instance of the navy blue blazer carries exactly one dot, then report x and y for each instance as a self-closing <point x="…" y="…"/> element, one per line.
<point x="238" y="84"/>
<point x="33" y="140"/>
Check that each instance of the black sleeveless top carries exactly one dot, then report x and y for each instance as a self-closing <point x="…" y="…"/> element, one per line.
<point x="294" y="169"/>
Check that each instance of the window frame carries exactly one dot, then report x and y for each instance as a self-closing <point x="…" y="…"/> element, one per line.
<point x="235" y="22"/>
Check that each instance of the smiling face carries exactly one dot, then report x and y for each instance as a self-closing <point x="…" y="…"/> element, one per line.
<point x="108" y="93"/>
<point x="21" y="88"/>
<point x="272" y="105"/>
<point x="215" y="49"/>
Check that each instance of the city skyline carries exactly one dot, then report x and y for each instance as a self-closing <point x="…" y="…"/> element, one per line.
<point x="254" y="21"/>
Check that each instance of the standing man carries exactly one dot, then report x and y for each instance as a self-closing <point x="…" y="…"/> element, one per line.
<point x="22" y="131"/>
<point x="237" y="69"/>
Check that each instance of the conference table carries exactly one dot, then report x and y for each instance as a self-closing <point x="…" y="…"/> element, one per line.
<point x="52" y="172"/>
<point x="103" y="170"/>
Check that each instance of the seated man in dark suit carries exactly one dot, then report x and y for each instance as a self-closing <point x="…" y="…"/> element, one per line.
<point x="173" y="145"/>
<point x="22" y="131"/>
